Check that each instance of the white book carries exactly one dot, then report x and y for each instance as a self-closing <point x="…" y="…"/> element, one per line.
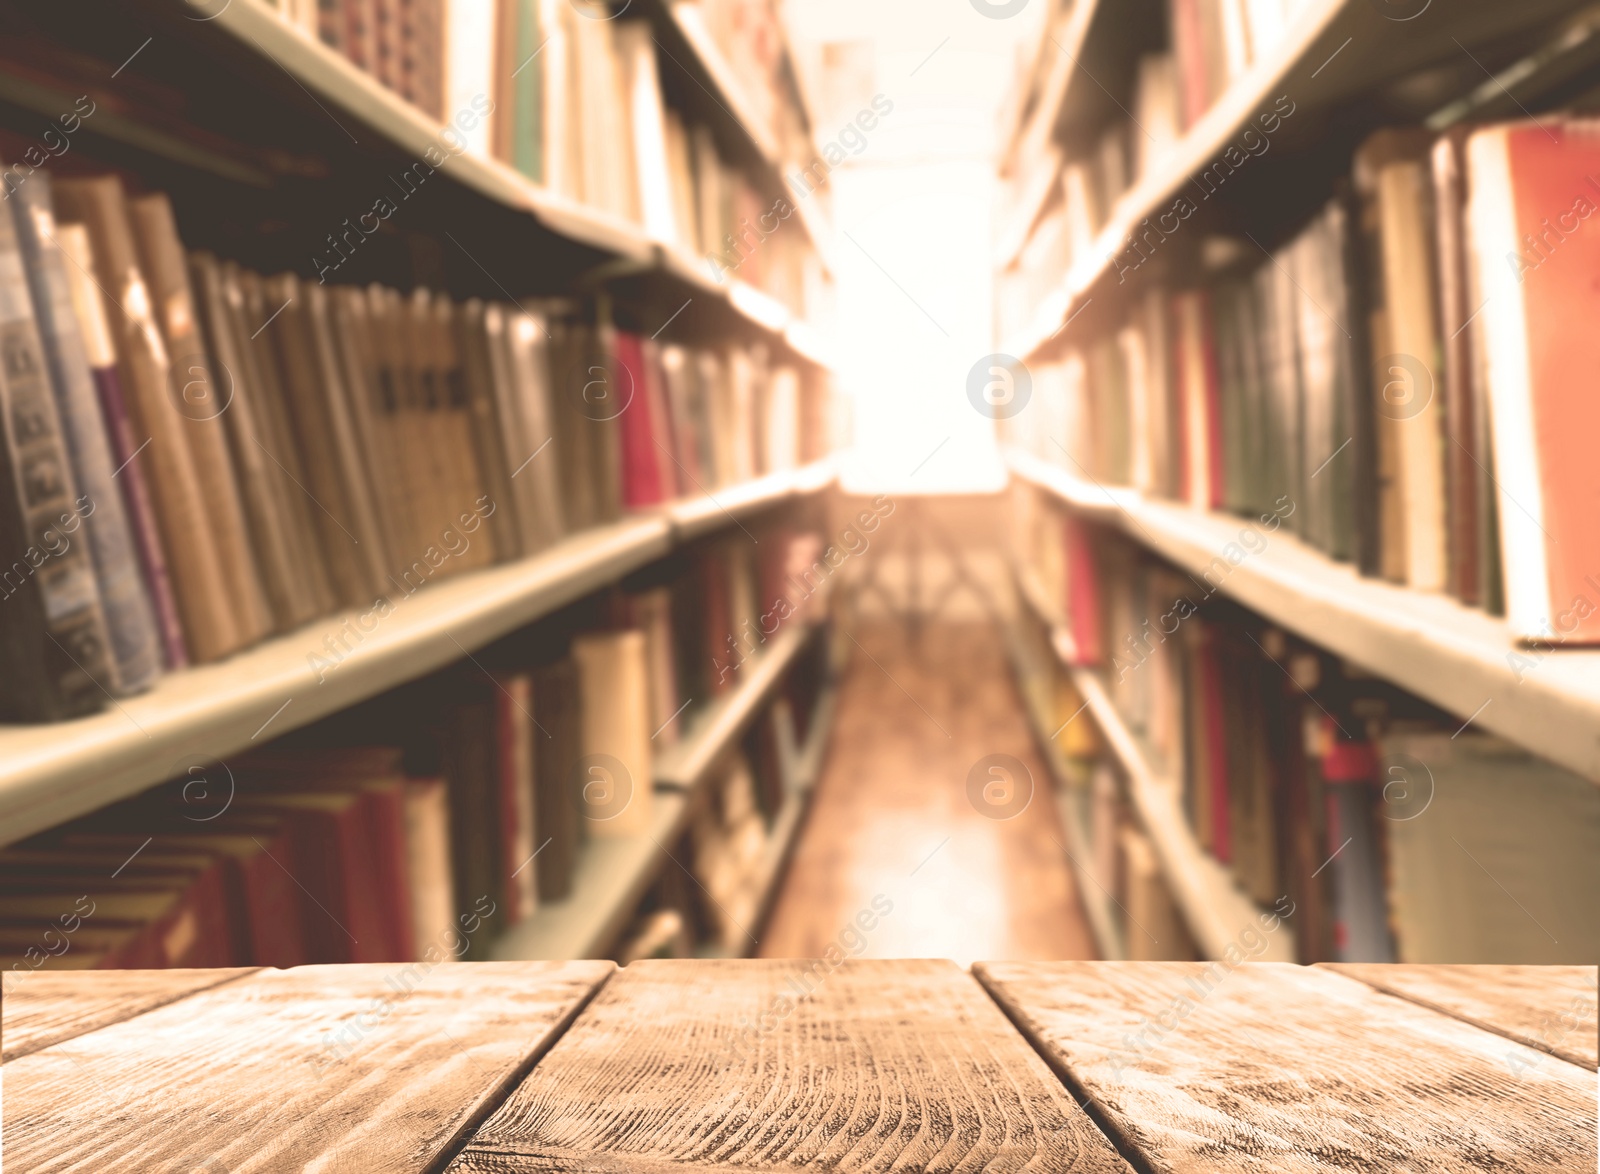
<point x="469" y="72"/>
<point x="657" y="196"/>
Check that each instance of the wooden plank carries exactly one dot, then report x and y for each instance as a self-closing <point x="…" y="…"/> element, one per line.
<point x="357" y="1067"/>
<point x="1551" y="1008"/>
<point x="788" y="1065"/>
<point x="45" y="1007"/>
<point x="1270" y="1066"/>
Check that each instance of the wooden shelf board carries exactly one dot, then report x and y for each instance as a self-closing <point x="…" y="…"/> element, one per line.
<point x="729" y="94"/>
<point x="610" y="878"/>
<point x="1096" y="901"/>
<point x="694" y="516"/>
<point x="687" y="762"/>
<point x="1057" y="85"/>
<point x="57" y="771"/>
<point x="1456" y="657"/>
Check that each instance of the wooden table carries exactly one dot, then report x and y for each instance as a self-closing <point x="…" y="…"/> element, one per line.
<point x="861" y="1065"/>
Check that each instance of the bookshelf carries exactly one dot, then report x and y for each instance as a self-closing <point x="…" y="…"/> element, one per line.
<point x="608" y="245"/>
<point x="685" y="764"/>
<point x="613" y="874"/>
<point x="58" y="771"/>
<point x="1211" y="903"/>
<point x="1096" y="900"/>
<point x="1333" y="53"/>
<point x="1457" y="657"/>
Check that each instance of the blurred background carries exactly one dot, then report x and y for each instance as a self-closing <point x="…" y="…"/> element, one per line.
<point x="554" y="479"/>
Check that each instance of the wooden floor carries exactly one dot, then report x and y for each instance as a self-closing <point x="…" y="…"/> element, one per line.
<point x="892" y="818"/>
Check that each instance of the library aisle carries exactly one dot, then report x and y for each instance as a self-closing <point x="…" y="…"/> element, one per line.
<point x="660" y="585"/>
<point x="892" y="817"/>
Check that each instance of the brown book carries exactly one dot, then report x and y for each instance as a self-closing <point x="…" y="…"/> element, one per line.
<point x="212" y="623"/>
<point x="1463" y="460"/>
<point x="538" y="480"/>
<point x="370" y="415"/>
<point x="432" y="437"/>
<point x="614" y="789"/>
<point x="569" y="370"/>
<point x="252" y="317"/>
<point x="514" y="765"/>
<point x="260" y="481"/>
<point x="556" y="754"/>
<point x="1392" y="173"/>
<point x="486" y="383"/>
<point x="343" y="420"/>
<point x="470" y="485"/>
<point x="433" y="908"/>
<point x="202" y="394"/>
<point x="307" y="398"/>
<point x="393" y="377"/>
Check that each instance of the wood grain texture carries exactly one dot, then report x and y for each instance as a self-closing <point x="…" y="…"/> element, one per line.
<point x="48" y="1006"/>
<point x="1551" y="1008"/>
<point x="697" y="1065"/>
<point x="326" y="1068"/>
<point x="1288" y="1068"/>
<point x="892" y="802"/>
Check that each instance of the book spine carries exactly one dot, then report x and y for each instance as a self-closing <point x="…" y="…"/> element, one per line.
<point x="56" y="652"/>
<point x="130" y="620"/>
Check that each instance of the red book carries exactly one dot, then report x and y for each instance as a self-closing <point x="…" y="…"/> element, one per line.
<point x="1082" y="604"/>
<point x="334" y="862"/>
<point x="642" y="460"/>
<point x="1536" y="246"/>
<point x="1189" y="46"/>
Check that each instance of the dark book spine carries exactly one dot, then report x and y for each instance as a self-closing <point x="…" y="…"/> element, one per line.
<point x="130" y="621"/>
<point x="54" y="652"/>
<point x="141" y="513"/>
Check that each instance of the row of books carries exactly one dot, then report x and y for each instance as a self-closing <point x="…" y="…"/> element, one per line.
<point x="572" y="96"/>
<point x="1392" y="377"/>
<point x="199" y="456"/>
<point x="1213" y="43"/>
<point x="349" y="843"/>
<point x="1145" y="921"/>
<point x="1394" y="832"/>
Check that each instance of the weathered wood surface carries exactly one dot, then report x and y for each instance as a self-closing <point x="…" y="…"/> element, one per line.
<point x="1285" y="1068"/>
<point x="327" y="1068"/>
<point x="45" y="1007"/>
<point x="1552" y="1008"/>
<point x="704" y="1065"/>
